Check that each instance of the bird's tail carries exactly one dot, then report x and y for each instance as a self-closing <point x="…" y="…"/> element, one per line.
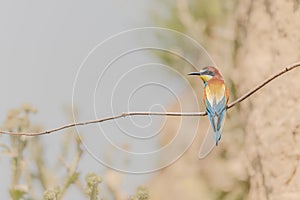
<point x="216" y="128"/>
<point x="211" y="140"/>
<point x="217" y="136"/>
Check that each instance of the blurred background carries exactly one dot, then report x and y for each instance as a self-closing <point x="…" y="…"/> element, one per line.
<point x="74" y="61"/>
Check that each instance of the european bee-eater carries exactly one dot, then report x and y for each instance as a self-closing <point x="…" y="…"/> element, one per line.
<point x="215" y="98"/>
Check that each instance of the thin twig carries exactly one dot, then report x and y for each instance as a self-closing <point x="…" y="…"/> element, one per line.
<point x="268" y="80"/>
<point x="126" y="114"/>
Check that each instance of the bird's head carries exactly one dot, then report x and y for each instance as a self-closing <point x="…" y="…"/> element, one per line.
<point x="207" y="73"/>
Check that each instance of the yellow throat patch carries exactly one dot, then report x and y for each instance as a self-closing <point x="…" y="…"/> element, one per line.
<point x="205" y="78"/>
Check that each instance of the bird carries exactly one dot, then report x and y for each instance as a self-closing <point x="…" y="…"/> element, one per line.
<point x="215" y="97"/>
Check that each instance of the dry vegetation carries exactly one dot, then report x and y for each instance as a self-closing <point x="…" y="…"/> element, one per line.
<point x="29" y="169"/>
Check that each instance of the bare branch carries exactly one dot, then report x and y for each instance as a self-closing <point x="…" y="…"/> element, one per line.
<point x="268" y="80"/>
<point x="126" y="114"/>
<point x="103" y="120"/>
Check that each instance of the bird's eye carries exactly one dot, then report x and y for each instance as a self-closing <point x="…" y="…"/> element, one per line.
<point x="210" y="73"/>
<point x="207" y="72"/>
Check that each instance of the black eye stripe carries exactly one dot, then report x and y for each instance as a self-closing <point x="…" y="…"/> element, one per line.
<point x="210" y="73"/>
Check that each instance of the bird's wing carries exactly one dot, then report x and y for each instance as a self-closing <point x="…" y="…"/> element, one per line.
<point x="220" y="110"/>
<point x="216" y="113"/>
<point x="209" y="141"/>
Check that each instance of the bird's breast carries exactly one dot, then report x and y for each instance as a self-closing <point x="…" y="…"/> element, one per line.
<point x="214" y="92"/>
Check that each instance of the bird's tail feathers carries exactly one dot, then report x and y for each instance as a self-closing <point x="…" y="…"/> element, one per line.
<point x="217" y="136"/>
<point x="211" y="140"/>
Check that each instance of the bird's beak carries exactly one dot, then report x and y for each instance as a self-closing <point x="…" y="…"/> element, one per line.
<point x="195" y="73"/>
